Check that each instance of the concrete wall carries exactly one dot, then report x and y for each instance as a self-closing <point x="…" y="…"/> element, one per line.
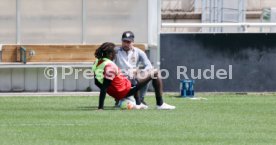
<point x="75" y="22"/>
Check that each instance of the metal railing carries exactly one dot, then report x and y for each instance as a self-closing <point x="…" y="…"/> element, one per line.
<point x="53" y="66"/>
<point x="244" y="26"/>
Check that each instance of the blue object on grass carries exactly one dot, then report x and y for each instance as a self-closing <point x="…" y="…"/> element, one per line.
<point x="187" y="88"/>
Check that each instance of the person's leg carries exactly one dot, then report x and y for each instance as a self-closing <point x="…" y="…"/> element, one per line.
<point x="158" y="88"/>
<point x="143" y="92"/>
<point x="135" y="95"/>
<point x="143" y="80"/>
<point x="116" y="102"/>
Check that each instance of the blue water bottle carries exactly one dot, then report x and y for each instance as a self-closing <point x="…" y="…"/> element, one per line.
<point x="187" y="88"/>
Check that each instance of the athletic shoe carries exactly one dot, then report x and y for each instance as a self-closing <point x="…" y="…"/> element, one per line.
<point x="141" y="106"/>
<point x="165" y="106"/>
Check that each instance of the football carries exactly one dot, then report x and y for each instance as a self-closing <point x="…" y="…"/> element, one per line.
<point x="127" y="104"/>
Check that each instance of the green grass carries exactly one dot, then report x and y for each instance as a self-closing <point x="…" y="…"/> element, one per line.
<point x="222" y="119"/>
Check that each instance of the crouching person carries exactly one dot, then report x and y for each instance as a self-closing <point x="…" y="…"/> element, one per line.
<point x="109" y="79"/>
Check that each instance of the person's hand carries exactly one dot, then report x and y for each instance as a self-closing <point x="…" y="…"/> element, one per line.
<point x="133" y="72"/>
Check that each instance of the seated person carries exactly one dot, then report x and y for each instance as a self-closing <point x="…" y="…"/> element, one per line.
<point x="130" y="59"/>
<point x="109" y="79"/>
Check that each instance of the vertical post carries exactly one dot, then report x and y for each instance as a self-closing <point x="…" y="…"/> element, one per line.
<point x="218" y="14"/>
<point x="1" y="52"/>
<point x="240" y="29"/>
<point x="213" y="11"/>
<point x="84" y="21"/>
<point x="203" y="14"/>
<point x="215" y="14"/>
<point x="18" y="22"/>
<point x="221" y="11"/>
<point x="152" y="9"/>
<point x="244" y="3"/>
<point x="159" y="23"/>
<point x="196" y="5"/>
<point x="210" y="14"/>
<point x="203" y="11"/>
<point x="242" y="12"/>
<point x="55" y="79"/>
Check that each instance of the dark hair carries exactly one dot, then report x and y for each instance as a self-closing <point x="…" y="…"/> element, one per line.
<point x="105" y="50"/>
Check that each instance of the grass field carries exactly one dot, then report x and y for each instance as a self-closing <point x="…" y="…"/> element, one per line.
<point x="222" y="119"/>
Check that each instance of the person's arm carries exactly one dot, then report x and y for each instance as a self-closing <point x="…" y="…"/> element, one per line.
<point x="145" y="60"/>
<point x="103" y="88"/>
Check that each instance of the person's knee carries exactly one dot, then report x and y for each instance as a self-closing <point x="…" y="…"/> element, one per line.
<point x="155" y="73"/>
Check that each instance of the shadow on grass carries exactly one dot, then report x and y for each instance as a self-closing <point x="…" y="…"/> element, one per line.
<point x="178" y="96"/>
<point x="89" y="108"/>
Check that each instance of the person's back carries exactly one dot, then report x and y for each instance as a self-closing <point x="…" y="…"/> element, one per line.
<point x="119" y="86"/>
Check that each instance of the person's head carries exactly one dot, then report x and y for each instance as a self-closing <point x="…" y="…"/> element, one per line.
<point x="106" y="50"/>
<point x="127" y="40"/>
